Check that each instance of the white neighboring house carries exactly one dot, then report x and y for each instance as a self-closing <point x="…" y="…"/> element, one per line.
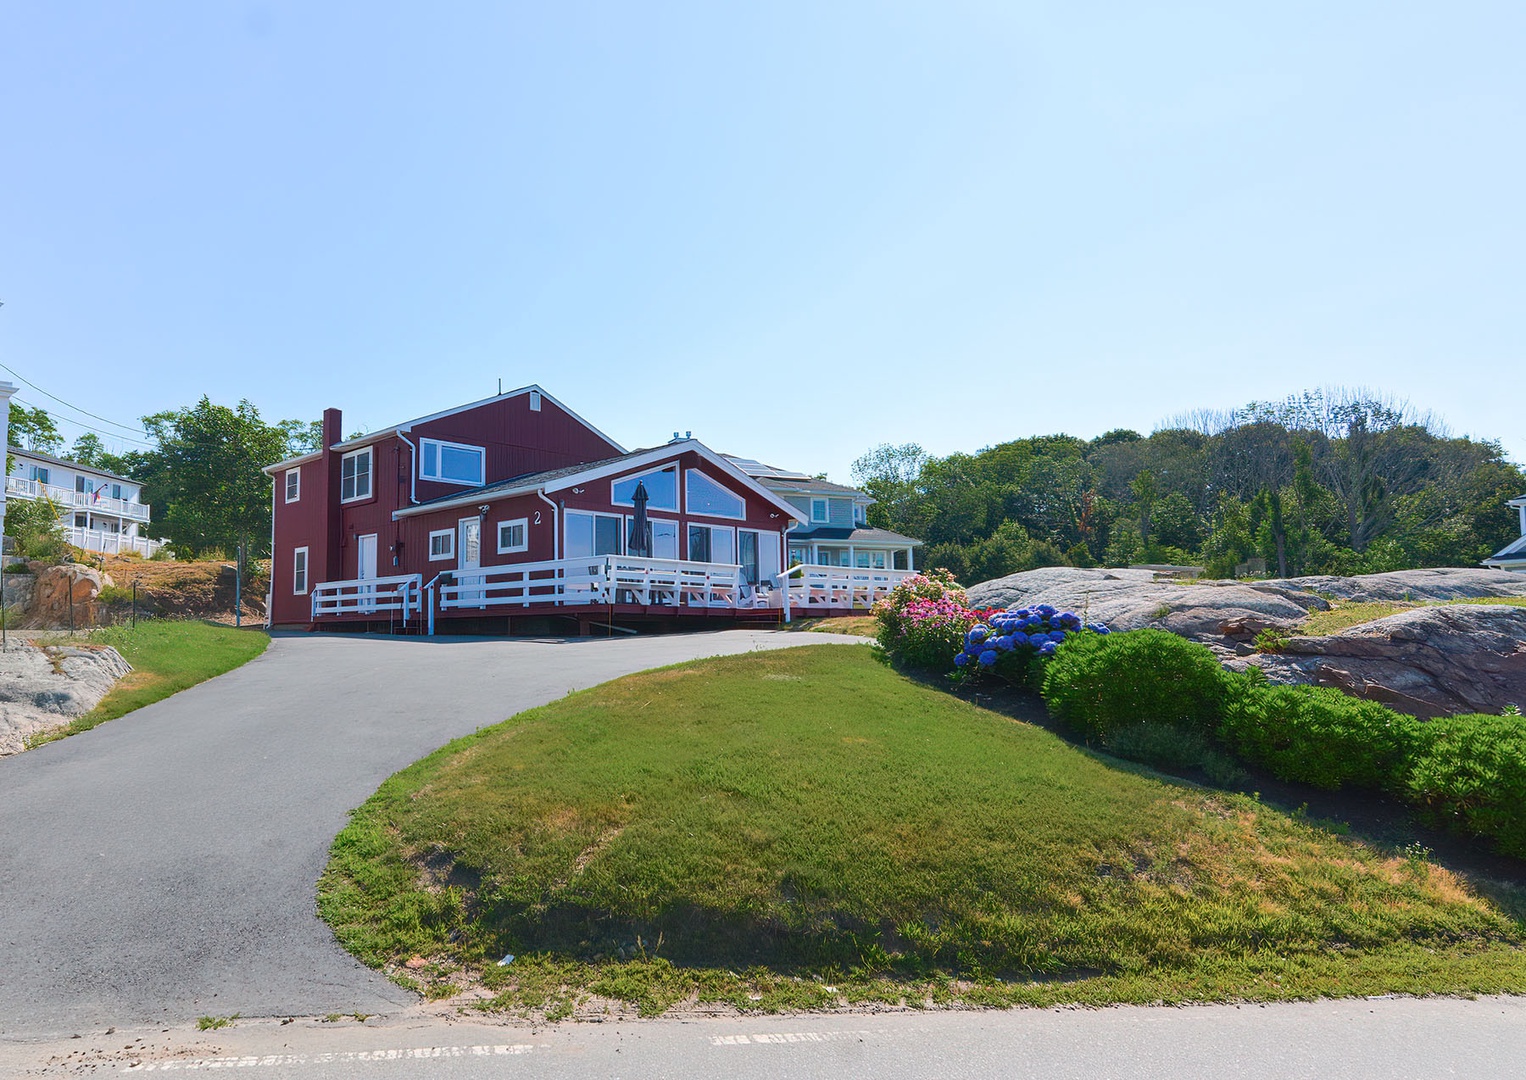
<point x="1514" y="555"/>
<point x="100" y="511"/>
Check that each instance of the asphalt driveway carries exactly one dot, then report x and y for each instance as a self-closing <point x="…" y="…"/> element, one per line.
<point x="162" y="866"/>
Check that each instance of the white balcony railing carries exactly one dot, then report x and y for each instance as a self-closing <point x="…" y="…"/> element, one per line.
<point x="368" y="596"/>
<point x="110" y="543"/>
<point x="22" y="488"/>
<point x="820" y="588"/>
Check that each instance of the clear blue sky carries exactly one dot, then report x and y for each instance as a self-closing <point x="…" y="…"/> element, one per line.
<point x="797" y="230"/>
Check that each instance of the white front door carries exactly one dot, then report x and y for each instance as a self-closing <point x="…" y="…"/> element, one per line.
<point x="365" y="569"/>
<point x="469" y="552"/>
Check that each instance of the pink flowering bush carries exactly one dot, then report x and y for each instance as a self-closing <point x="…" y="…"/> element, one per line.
<point x="924" y="620"/>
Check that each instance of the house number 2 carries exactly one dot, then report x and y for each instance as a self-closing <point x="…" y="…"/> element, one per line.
<point x="537" y="517"/>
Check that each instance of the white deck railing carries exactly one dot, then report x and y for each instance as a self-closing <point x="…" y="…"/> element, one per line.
<point x="607" y="580"/>
<point x="808" y="587"/>
<point x="110" y="543"/>
<point x="369" y="596"/>
<point x="595" y="579"/>
<point x="32" y="489"/>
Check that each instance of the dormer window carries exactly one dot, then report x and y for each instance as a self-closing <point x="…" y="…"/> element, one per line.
<point x="452" y="463"/>
<point x="820" y="511"/>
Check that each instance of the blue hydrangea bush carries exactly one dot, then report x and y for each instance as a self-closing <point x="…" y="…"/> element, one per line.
<point x="1013" y="645"/>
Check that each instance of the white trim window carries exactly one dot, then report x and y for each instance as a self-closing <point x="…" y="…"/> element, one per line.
<point x="593" y="534"/>
<point x="442" y="545"/>
<point x="452" y="463"/>
<point x="299" y="572"/>
<point x="513" y="536"/>
<point x="712" y="544"/>
<point x="703" y="495"/>
<point x="355" y="475"/>
<point x="293" y="485"/>
<point x="821" y="511"/>
<point x="661" y="488"/>
<point x="535" y="401"/>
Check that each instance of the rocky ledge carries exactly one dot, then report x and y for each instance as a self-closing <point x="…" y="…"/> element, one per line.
<point x="1429" y="660"/>
<point x="46" y="686"/>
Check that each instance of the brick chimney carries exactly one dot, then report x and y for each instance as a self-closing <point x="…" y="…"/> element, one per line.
<point x="332" y="560"/>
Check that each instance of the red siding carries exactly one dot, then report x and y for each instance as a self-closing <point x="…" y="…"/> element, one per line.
<point x="517" y="441"/>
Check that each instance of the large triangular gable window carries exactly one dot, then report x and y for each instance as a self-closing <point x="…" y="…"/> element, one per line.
<point x="704" y="496"/>
<point x="661" y="489"/>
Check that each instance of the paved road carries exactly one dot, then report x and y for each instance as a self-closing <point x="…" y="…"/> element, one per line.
<point x="1333" y="1040"/>
<point x="162" y="866"/>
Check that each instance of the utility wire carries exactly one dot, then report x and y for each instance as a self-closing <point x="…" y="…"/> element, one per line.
<point x="98" y="431"/>
<point x="76" y="408"/>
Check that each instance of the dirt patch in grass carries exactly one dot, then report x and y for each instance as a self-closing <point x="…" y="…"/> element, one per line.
<point x="203" y="589"/>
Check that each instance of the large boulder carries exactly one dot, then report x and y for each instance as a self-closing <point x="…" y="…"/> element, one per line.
<point x="1429" y="661"/>
<point x="60" y="588"/>
<point x="1439" y="583"/>
<point x="1130" y="599"/>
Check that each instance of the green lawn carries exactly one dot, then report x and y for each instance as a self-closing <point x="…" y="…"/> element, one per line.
<point x="806" y="828"/>
<point x="167" y="656"/>
<point x="860" y="625"/>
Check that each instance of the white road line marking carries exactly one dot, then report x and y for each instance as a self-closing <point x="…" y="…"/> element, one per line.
<point x="405" y="1054"/>
<point x="791" y="1037"/>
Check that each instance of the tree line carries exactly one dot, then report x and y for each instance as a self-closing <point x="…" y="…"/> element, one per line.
<point x="201" y="476"/>
<point x="1324" y="482"/>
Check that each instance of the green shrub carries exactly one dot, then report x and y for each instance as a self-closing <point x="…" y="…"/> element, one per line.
<point x="1320" y="736"/>
<point x="1100" y="682"/>
<point x="115" y="594"/>
<point x="1157" y="744"/>
<point x="34" y="524"/>
<point x="1469" y="773"/>
<point x="1271" y="640"/>
<point x="1173" y="749"/>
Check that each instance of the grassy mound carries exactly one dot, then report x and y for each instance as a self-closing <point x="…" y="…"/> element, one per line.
<point x="802" y="827"/>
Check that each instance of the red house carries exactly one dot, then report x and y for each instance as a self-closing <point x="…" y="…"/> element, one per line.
<point x="515" y="512"/>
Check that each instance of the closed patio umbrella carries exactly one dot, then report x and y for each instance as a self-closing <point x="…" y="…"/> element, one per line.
<point x="640" y="540"/>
